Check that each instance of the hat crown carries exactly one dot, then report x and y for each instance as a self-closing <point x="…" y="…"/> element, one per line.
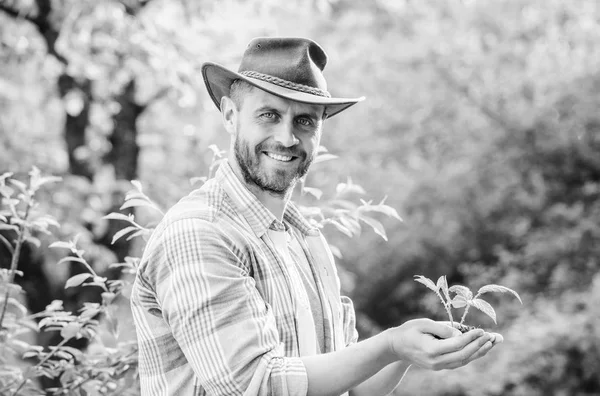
<point x="288" y="67"/>
<point x="296" y="60"/>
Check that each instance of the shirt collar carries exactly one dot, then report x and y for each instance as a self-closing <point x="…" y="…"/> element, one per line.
<point x="256" y="214"/>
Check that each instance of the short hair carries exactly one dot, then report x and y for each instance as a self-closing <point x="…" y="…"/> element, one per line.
<point x="239" y="89"/>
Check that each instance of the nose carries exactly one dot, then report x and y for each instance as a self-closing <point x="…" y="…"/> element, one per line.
<point x="285" y="135"/>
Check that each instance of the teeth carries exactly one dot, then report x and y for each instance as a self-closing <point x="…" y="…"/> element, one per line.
<point x="278" y="157"/>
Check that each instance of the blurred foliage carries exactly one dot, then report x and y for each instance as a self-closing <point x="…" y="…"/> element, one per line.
<point x="480" y="127"/>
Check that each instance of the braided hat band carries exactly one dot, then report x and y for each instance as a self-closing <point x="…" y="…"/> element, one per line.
<point x="286" y="84"/>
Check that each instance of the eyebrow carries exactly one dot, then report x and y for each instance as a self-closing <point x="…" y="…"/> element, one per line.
<point x="266" y="108"/>
<point x="311" y="114"/>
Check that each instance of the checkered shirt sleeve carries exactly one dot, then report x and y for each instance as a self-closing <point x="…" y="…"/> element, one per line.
<point x="216" y="316"/>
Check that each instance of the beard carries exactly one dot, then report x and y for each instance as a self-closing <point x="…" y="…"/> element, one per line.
<point x="276" y="181"/>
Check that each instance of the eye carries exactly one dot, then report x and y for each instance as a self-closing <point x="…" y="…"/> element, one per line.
<point x="268" y="115"/>
<point x="305" y="121"/>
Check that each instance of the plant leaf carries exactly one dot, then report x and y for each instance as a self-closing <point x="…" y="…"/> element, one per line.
<point x="29" y="354"/>
<point x="137" y="185"/>
<point x="376" y="225"/>
<point x="77" y="279"/>
<point x="118" y="216"/>
<point x="55" y="305"/>
<point x="315" y="192"/>
<point x="336" y="251"/>
<point x="38" y="182"/>
<point x="136" y="202"/>
<point x="343" y="229"/>
<point x="4" y="226"/>
<point x="324" y="157"/>
<point x="349" y="188"/>
<point x="62" y="245"/>
<point x="195" y="180"/>
<point x="426" y="281"/>
<point x="45" y="221"/>
<point x="7" y="244"/>
<point x="499" y="289"/>
<point x="216" y="151"/>
<point x="135" y="194"/>
<point x="77" y="354"/>
<point x="121" y="233"/>
<point x="6" y="191"/>
<point x="442" y="284"/>
<point x="381" y="208"/>
<point x="70" y="330"/>
<point x="34" y="241"/>
<point x="484" y="307"/>
<point x="351" y="224"/>
<point x="19" y="184"/>
<point x="459" y="301"/>
<point x="71" y="258"/>
<point x="15" y="303"/>
<point x="136" y="234"/>
<point x="462" y="291"/>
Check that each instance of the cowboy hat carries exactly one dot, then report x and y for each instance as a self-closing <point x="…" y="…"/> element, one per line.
<point x="290" y="68"/>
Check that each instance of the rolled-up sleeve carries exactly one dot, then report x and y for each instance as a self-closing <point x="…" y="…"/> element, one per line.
<point x="217" y="316"/>
<point x="349" y="321"/>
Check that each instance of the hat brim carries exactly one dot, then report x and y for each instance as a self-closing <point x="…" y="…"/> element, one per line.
<point x="218" y="80"/>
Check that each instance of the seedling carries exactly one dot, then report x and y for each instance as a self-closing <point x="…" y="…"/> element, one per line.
<point x="464" y="298"/>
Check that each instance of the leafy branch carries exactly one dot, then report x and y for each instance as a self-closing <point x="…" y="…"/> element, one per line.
<point x="217" y="158"/>
<point x="340" y="211"/>
<point x="78" y="279"/>
<point x="21" y="221"/>
<point x="33" y="369"/>
<point x="133" y="199"/>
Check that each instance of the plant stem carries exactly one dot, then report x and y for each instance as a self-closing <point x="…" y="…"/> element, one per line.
<point x="44" y="360"/>
<point x="7" y="244"/>
<point x="85" y="263"/>
<point x="15" y="260"/>
<point x="447" y="307"/>
<point x="462" y="319"/>
<point x="464" y="315"/>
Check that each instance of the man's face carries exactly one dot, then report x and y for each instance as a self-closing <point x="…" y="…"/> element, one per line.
<point x="275" y="140"/>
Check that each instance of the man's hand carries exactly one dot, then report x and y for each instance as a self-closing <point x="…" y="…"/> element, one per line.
<point x="437" y="346"/>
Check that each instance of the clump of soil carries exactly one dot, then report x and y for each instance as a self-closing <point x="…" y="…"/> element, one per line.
<point x="464" y="328"/>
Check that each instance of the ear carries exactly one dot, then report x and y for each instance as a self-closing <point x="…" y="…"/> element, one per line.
<point x="228" y="114"/>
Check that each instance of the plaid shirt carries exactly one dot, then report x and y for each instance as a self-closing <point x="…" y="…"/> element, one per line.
<point x="215" y="306"/>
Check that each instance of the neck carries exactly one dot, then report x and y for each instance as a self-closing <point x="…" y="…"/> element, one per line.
<point x="275" y="203"/>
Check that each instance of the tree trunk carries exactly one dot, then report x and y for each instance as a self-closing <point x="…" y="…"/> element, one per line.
<point x="76" y="125"/>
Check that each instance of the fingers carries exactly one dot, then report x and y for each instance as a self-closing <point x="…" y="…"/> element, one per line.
<point x="419" y="346"/>
<point x="479" y="347"/>
<point x="460" y="342"/>
<point x="497" y="338"/>
<point x="481" y="352"/>
<point x="440" y="329"/>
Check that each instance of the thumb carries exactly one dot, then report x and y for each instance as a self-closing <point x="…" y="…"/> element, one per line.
<point x="443" y="330"/>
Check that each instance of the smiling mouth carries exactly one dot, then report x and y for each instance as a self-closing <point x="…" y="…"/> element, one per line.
<point x="279" y="157"/>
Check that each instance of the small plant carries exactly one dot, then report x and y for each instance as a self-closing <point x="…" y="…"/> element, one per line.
<point x="464" y="298"/>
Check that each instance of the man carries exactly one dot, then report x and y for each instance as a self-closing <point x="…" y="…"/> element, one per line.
<point x="236" y="292"/>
